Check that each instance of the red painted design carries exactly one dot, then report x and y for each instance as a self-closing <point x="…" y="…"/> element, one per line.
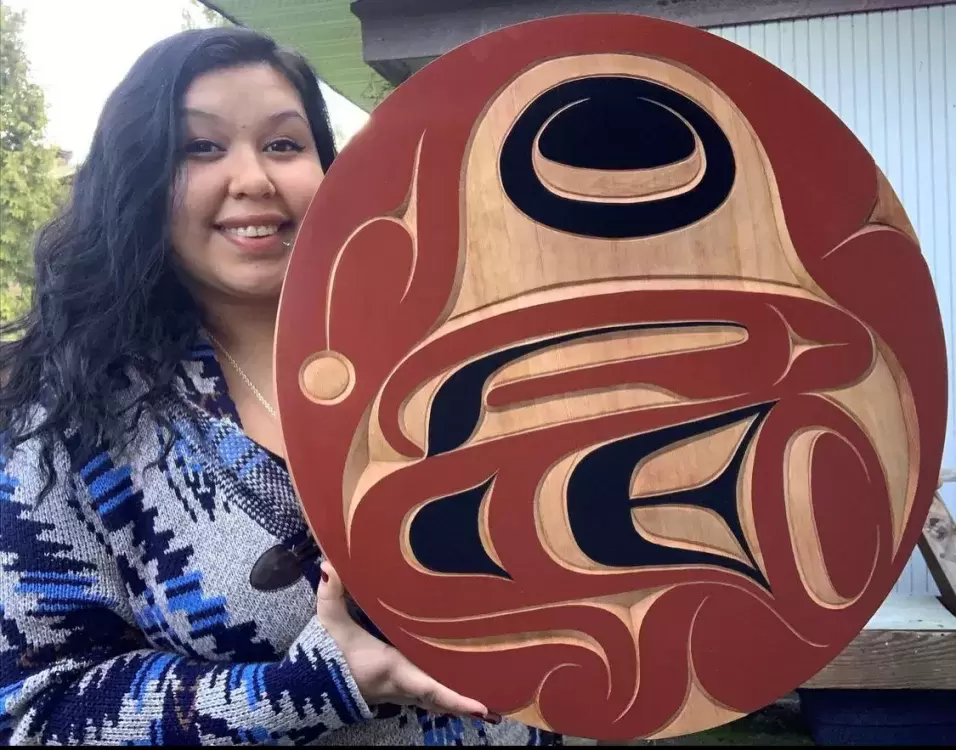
<point x="361" y="285"/>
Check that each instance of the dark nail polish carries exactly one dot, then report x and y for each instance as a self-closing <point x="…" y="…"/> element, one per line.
<point x="325" y="577"/>
<point x="493" y="718"/>
<point x="477" y="715"/>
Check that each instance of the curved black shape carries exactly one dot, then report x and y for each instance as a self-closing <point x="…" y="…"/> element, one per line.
<point x="444" y="535"/>
<point x="456" y="408"/>
<point x="623" y="132"/>
<point x="599" y="498"/>
<point x="616" y="122"/>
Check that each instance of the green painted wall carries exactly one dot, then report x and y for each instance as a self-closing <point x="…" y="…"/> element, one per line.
<point x="326" y="32"/>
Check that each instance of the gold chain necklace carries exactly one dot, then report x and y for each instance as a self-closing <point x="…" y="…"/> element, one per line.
<point x="266" y="405"/>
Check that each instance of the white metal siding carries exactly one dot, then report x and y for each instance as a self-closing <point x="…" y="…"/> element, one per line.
<point x="891" y="78"/>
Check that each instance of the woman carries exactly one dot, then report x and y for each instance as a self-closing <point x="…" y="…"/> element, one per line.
<point x="158" y="581"/>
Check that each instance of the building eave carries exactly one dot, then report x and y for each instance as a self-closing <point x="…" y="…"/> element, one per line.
<point x="401" y="36"/>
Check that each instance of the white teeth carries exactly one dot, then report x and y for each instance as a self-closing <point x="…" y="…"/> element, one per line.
<point x="252" y="231"/>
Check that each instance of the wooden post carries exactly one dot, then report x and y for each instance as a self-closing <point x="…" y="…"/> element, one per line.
<point x="938" y="545"/>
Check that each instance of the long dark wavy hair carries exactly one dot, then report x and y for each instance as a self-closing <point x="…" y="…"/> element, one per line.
<point x="107" y="300"/>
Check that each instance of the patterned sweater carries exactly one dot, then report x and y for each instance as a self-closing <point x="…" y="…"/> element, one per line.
<point x="127" y="615"/>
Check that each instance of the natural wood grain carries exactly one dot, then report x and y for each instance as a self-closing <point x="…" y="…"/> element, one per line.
<point x="687" y="464"/>
<point x="688" y="528"/>
<point x="884" y="419"/>
<point x="893" y="660"/>
<point x="585" y="353"/>
<point x="938" y="546"/>
<point x="909" y="643"/>
<point x="683" y="466"/>
<point x="327" y="377"/>
<point x="700" y="711"/>
<point x="693" y="362"/>
<point x="623" y="185"/>
<point x="495" y="228"/>
<point x="911" y="612"/>
<point x="551" y="518"/>
<point x="615" y="347"/>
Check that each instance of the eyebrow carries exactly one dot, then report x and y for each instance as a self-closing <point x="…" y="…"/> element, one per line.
<point x="274" y="119"/>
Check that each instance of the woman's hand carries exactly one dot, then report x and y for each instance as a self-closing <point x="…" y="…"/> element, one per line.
<point x="382" y="674"/>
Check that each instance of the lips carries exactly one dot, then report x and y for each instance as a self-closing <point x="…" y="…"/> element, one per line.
<point x="252" y="231"/>
<point x="256" y="234"/>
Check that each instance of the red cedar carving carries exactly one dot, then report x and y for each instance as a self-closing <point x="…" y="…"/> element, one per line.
<point x="786" y="341"/>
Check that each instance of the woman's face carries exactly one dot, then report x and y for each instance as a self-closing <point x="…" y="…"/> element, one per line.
<point x="249" y="171"/>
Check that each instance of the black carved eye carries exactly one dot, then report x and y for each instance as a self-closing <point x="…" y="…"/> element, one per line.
<point x="616" y="133"/>
<point x="616" y="157"/>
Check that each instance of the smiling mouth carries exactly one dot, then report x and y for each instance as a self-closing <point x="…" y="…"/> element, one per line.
<point x="255" y="231"/>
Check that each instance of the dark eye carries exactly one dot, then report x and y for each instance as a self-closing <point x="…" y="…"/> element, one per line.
<point x="201" y="147"/>
<point x="285" y="146"/>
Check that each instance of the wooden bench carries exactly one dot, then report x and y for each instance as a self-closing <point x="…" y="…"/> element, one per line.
<point x="910" y="643"/>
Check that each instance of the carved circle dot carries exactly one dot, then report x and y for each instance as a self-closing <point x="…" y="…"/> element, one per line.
<point x="327" y="378"/>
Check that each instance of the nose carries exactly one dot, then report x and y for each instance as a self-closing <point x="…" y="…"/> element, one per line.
<point x="249" y="178"/>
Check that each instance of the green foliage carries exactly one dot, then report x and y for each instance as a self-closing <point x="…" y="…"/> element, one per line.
<point x="30" y="190"/>
<point x="377" y="89"/>
<point x="198" y="16"/>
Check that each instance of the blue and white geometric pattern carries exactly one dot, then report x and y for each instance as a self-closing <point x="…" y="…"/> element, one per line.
<point x="126" y="612"/>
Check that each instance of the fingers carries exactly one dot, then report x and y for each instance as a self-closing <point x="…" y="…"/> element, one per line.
<point x="443" y="700"/>
<point x="381" y="672"/>
<point x="331" y="605"/>
<point x="435" y="697"/>
<point x="331" y="586"/>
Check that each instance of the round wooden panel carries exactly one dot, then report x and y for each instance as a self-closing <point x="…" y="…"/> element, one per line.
<point x="612" y="376"/>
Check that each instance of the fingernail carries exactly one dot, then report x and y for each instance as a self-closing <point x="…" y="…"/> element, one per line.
<point x="490" y="717"/>
<point x="325" y="577"/>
